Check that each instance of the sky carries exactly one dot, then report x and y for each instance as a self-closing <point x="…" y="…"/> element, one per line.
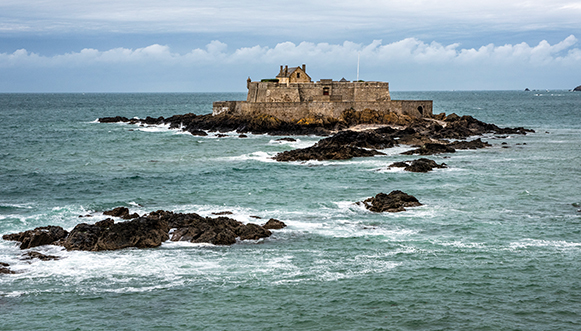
<point x="214" y="46"/>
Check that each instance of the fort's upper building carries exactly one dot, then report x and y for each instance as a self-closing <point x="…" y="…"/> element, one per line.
<point x="293" y="95"/>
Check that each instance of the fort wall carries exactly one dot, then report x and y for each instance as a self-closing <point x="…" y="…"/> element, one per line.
<point x="291" y="101"/>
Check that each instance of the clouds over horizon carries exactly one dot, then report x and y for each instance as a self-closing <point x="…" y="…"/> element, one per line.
<point x="393" y="61"/>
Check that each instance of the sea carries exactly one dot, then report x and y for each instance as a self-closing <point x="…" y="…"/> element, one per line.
<point x="496" y="244"/>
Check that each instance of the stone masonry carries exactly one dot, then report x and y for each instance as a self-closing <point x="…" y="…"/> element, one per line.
<point x="292" y="96"/>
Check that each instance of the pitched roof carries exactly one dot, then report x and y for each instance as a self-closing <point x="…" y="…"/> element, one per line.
<point x="290" y="71"/>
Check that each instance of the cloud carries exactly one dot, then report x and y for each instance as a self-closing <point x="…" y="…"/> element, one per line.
<point x="216" y="67"/>
<point x="295" y="17"/>
<point x="406" y="51"/>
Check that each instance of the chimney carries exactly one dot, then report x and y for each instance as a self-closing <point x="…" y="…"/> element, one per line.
<point x="305" y="68"/>
<point x="280" y="74"/>
<point x="285" y="70"/>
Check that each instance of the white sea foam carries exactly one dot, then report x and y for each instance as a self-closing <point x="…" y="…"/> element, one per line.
<point x="154" y="128"/>
<point x="557" y="244"/>
<point x="256" y="156"/>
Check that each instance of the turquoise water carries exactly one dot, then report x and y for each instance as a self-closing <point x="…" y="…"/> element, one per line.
<point x="496" y="245"/>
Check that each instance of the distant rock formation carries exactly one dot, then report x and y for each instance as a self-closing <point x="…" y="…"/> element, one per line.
<point x="393" y="202"/>
<point x="419" y="165"/>
<point x="577" y="89"/>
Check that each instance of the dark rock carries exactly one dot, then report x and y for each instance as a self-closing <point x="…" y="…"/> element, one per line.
<point x="113" y="119"/>
<point x="255" y="217"/>
<point x="36" y="255"/>
<point x="220" y="135"/>
<point x="577" y="89"/>
<point x="429" y="149"/>
<point x="44" y="235"/>
<point x="392" y="202"/>
<point x="200" y="133"/>
<point x="473" y="144"/>
<point x="122" y="212"/>
<point x="142" y="232"/>
<point x="4" y="268"/>
<point x="452" y="118"/>
<point x="242" y="136"/>
<point x="419" y="165"/>
<point x="218" y="231"/>
<point x="287" y="139"/>
<point x="342" y="146"/>
<point x="325" y="153"/>
<point x="527" y="89"/>
<point x="274" y="224"/>
<point x="223" y="213"/>
<point x="252" y="232"/>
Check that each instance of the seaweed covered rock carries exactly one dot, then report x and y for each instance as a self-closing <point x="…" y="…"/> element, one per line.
<point x="43" y="235"/>
<point x="419" y="165"/>
<point x="393" y="202"/>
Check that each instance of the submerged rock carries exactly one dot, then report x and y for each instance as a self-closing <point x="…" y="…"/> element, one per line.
<point x="393" y="202"/>
<point x="4" y="268"/>
<point x="419" y="165"/>
<point x="36" y="255"/>
<point x="43" y="235"/>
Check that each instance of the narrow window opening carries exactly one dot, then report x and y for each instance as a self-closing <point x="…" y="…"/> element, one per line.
<point x="298" y="75"/>
<point x="325" y="91"/>
<point x="421" y="110"/>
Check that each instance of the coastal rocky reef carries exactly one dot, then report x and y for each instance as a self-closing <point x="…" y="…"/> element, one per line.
<point x="145" y="231"/>
<point x="393" y="202"/>
<point x="430" y="135"/>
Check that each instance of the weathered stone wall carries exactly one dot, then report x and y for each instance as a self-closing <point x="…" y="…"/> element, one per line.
<point x="323" y="90"/>
<point x="371" y="91"/>
<point x="325" y="98"/>
<point x="294" y="111"/>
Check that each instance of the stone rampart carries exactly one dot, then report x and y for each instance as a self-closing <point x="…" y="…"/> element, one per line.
<point x="294" y="111"/>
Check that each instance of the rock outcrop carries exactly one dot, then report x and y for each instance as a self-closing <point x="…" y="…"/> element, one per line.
<point x="36" y="255"/>
<point x="343" y="145"/>
<point x="419" y="165"/>
<point x="274" y="224"/>
<point x="4" y="268"/>
<point x="577" y="89"/>
<point x="393" y="202"/>
<point x="147" y="231"/>
<point x="142" y="232"/>
<point x="122" y="212"/>
<point x="430" y="149"/>
<point x="39" y="236"/>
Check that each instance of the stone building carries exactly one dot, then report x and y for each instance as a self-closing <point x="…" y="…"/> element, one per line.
<point x="292" y="96"/>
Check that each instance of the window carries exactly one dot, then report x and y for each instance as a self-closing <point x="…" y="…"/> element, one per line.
<point x="298" y="75"/>
<point x="325" y="91"/>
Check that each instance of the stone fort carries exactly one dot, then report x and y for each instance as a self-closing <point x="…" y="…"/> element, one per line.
<point x="292" y="95"/>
